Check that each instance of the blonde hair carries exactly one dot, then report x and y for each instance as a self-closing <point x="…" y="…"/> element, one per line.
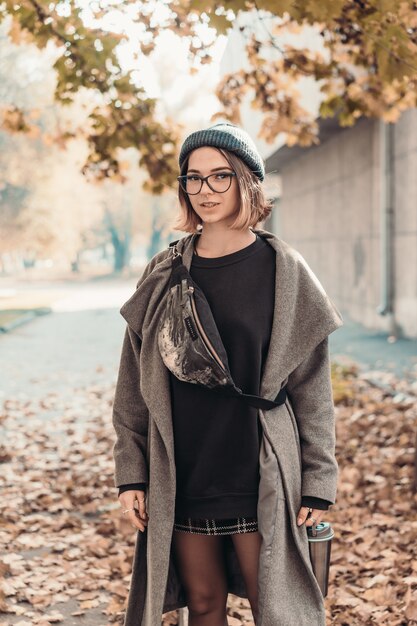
<point x="254" y="206"/>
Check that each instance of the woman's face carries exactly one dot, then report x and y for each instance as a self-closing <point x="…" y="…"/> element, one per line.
<point x="205" y="161"/>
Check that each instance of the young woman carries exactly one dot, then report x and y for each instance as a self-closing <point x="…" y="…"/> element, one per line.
<point x="213" y="484"/>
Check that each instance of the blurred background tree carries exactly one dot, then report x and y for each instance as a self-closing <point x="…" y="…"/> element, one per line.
<point x="74" y="111"/>
<point x="367" y="67"/>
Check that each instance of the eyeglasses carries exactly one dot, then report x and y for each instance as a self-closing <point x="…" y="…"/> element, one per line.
<point x="192" y="183"/>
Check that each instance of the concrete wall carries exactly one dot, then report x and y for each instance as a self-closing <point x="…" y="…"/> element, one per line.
<point x="330" y="211"/>
<point x="405" y="204"/>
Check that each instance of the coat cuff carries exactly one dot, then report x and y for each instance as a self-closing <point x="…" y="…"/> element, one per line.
<point x="132" y="487"/>
<point x="315" y="503"/>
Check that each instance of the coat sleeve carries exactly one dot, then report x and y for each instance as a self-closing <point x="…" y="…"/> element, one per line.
<point x="132" y="487"/>
<point x="309" y="389"/>
<point x="130" y="413"/>
<point x="315" y="503"/>
<point x="130" y="416"/>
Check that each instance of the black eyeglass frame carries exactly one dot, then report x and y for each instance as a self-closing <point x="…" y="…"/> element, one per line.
<point x="202" y="179"/>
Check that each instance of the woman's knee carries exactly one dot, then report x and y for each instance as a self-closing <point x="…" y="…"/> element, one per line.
<point x="205" y="601"/>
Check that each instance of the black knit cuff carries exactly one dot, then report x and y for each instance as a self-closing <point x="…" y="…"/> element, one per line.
<point x="315" y="503"/>
<point x="132" y="487"/>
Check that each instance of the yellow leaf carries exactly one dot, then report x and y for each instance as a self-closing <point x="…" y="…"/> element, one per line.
<point x="277" y="7"/>
<point x="220" y="23"/>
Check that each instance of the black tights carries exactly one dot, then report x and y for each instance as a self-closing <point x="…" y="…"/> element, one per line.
<point x="200" y="563"/>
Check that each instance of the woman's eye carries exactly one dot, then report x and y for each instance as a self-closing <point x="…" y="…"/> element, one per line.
<point x="222" y="176"/>
<point x="192" y="177"/>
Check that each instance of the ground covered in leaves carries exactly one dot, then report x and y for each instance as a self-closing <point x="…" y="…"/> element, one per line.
<point x="66" y="550"/>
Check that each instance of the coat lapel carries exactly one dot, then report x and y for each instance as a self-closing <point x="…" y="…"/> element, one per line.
<point x="303" y="315"/>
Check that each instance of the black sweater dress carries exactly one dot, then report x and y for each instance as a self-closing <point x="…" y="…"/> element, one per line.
<point x="217" y="439"/>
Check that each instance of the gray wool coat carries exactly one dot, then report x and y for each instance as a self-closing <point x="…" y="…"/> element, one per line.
<point x="297" y="451"/>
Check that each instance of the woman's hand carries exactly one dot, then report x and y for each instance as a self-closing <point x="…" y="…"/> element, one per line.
<point x="137" y="515"/>
<point x="316" y="514"/>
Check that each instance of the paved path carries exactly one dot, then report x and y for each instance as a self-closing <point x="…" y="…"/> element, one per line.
<point x="373" y="350"/>
<point x="79" y="343"/>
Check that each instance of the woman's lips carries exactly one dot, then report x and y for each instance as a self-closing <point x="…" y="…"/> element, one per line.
<point x="210" y="205"/>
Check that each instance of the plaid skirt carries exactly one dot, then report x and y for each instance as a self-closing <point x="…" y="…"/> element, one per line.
<point x="204" y="526"/>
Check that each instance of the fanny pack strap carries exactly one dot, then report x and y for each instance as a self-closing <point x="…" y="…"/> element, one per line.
<point x="253" y="400"/>
<point x="256" y="401"/>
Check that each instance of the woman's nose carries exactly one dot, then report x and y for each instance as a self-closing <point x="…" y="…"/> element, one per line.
<point x="204" y="182"/>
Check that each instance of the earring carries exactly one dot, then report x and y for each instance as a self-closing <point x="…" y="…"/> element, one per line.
<point x="199" y="226"/>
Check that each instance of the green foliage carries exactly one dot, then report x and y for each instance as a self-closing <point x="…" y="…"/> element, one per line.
<point x="88" y="60"/>
<point x="220" y="23"/>
<point x="277" y="7"/>
<point x="343" y="377"/>
<point x="324" y="10"/>
<point x="367" y="67"/>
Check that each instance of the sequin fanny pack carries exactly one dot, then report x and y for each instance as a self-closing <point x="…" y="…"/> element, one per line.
<point x="189" y="341"/>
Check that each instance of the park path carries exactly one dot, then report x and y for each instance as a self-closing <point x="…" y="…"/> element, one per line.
<point x="375" y="351"/>
<point x="74" y="348"/>
<point x="78" y="343"/>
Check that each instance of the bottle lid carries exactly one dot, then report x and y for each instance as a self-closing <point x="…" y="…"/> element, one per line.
<point x="321" y="532"/>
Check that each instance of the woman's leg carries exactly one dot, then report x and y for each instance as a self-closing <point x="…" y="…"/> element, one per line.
<point x="247" y="546"/>
<point x="201" y="568"/>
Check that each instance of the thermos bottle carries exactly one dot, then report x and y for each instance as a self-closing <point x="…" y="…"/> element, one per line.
<point x="319" y="543"/>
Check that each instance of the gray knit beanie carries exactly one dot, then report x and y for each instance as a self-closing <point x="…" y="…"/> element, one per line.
<point x="230" y="137"/>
